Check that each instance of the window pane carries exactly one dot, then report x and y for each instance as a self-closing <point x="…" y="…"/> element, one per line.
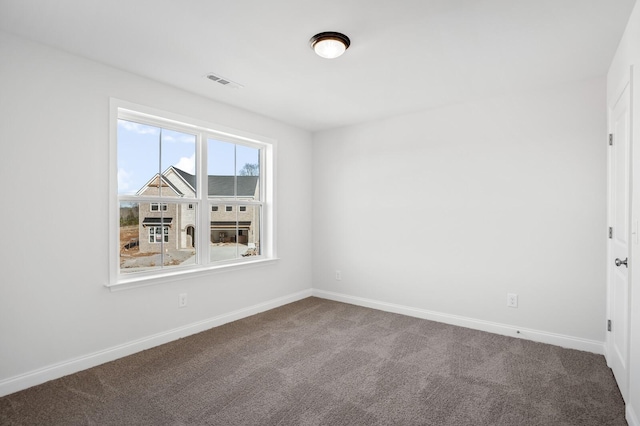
<point x="248" y="170"/>
<point x="220" y="158"/>
<point x="249" y="222"/>
<point x="152" y="239"/>
<point x="178" y="164"/>
<point x="146" y="153"/>
<point x="223" y="234"/>
<point x="247" y="161"/>
<point x="233" y="171"/>
<point x="129" y="232"/>
<point x="138" y="155"/>
<point x="220" y="169"/>
<point x="235" y="234"/>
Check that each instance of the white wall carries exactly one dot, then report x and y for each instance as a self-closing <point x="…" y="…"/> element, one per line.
<point x="628" y="54"/>
<point x="54" y="136"/>
<point x="497" y="196"/>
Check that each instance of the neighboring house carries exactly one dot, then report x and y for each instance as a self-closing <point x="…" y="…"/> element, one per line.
<point x="173" y="224"/>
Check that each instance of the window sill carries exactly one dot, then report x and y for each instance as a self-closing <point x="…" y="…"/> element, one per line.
<point x="172" y="276"/>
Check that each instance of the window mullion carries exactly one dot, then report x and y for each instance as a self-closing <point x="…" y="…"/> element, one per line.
<point x="204" y="233"/>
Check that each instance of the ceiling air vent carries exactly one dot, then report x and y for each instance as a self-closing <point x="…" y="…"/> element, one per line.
<point x="224" y="81"/>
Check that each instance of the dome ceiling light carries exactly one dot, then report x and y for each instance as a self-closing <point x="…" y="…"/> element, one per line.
<point x="329" y="44"/>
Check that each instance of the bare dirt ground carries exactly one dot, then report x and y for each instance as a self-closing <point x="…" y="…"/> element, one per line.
<point x="128" y="234"/>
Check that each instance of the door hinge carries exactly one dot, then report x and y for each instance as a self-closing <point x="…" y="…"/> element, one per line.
<point x="610" y="232"/>
<point x="610" y="138"/>
<point x="608" y="325"/>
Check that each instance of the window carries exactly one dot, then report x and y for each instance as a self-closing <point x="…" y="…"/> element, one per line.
<point x="158" y="206"/>
<point x="155" y="234"/>
<point x="171" y="176"/>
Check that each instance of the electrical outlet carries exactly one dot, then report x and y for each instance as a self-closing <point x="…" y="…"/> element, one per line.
<point x="338" y="276"/>
<point x="512" y="300"/>
<point x="182" y="300"/>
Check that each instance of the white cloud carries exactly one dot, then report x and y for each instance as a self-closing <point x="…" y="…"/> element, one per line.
<point x="182" y="138"/>
<point x="167" y="135"/>
<point x="187" y="164"/>
<point x="141" y="129"/>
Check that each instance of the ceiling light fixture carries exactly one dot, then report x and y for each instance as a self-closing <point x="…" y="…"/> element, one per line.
<point x="329" y="44"/>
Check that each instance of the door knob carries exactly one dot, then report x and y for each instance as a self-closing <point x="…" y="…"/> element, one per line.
<point x="621" y="262"/>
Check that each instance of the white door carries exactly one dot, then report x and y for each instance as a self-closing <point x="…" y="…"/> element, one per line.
<point x="619" y="208"/>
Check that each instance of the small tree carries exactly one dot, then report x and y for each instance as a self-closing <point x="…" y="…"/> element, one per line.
<point x="249" y="170"/>
<point x="130" y="219"/>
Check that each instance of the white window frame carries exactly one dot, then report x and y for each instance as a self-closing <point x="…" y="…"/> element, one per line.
<point x="204" y="130"/>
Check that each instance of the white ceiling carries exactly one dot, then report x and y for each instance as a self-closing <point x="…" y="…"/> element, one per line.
<point x="405" y="56"/>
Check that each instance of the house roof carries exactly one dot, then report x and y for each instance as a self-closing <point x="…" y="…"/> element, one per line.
<point x="230" y="223"/>
<point x="163" y="182"/>
<point x="223" y="186"/>
<point x="157" y="221"/>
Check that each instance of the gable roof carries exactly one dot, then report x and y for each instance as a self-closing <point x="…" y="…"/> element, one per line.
<point x="159" y="181"/>
<point x="223" y="186"/>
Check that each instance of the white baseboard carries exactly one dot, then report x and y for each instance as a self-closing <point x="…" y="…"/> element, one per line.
<point x="632" y="418"/>
<point x="36" y="377"/>
<point x="570" y="342"/>
<point x="605" y="352"/>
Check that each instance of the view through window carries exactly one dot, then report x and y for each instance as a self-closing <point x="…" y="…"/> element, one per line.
<point x="187" y="198"/>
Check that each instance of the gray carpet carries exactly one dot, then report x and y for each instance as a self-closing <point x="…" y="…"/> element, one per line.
<point x="318" y="362"/>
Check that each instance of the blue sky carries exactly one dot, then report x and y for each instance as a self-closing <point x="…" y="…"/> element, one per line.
<point x="139" y="150"/>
